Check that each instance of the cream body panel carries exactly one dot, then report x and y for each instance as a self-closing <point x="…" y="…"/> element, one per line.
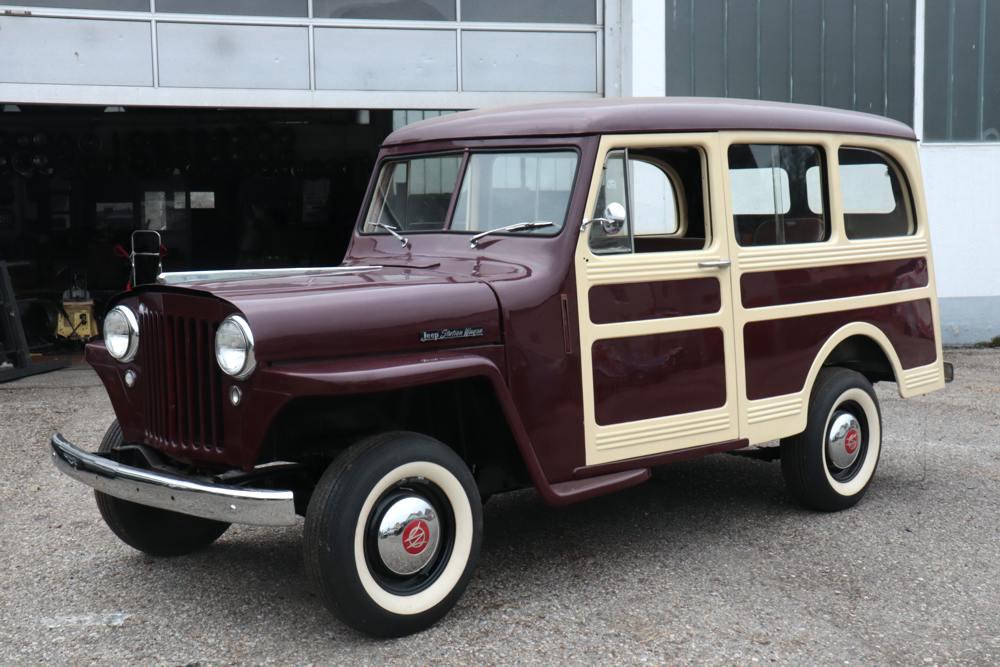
<point x="616" y="442"/>
<point x="782" y="416"/>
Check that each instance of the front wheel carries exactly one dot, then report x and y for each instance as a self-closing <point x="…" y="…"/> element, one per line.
<point x="152" y="530"/>
<point x="392" y="533"/>
<point x="830" y="465"/>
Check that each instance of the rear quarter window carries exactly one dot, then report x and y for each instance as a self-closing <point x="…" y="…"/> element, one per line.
<point x="875" y="195"/>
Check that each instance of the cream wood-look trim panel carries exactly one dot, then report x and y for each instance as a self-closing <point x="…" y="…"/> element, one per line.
<point x="781" y="416"/>
<point x="616" y="442"/>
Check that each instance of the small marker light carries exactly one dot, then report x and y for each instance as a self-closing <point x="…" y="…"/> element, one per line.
<point x="130" y="378"/>
<point x="235" y="395"/>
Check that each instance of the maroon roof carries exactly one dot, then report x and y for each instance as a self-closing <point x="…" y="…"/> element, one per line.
<point x="645" y="114"/>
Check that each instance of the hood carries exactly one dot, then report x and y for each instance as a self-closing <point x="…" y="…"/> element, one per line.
<point x="370" y="310"/>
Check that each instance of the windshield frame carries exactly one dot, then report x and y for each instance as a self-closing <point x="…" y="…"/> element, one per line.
<point x="466" y="153"/>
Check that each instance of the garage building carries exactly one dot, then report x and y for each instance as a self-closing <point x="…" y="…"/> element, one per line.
<point x="244" y="130"/>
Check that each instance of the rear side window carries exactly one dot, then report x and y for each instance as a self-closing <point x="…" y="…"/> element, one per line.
<point x="778" y="193"/>
<point x="875" y="195"/>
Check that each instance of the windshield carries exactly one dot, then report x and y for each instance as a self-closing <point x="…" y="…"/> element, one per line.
<point x="496" y="190"/>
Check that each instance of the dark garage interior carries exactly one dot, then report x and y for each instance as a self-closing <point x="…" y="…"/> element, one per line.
<point x="225" y="188"/>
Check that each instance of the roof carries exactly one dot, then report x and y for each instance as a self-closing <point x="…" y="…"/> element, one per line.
<point x="645" y="114"/>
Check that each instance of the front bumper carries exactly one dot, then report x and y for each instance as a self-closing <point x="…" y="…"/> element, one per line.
<point x="219" y="502"/>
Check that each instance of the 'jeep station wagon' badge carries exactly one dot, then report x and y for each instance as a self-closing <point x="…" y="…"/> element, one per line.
<point x="450" y="334"/>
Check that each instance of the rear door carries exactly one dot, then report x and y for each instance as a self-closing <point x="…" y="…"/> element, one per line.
<point x="655" y="304"/>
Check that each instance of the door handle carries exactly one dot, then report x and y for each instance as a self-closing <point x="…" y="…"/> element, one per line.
<point x="715" y="264"/>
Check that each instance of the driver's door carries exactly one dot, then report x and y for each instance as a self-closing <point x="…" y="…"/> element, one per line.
<point x="656" y="323"/>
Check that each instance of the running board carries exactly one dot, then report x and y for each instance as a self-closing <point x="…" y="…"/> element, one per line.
<point x="576" y="490"/>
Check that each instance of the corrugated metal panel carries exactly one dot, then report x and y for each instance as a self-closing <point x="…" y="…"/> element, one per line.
<point x="962" y="71"/>
<point x="852" y="54"/>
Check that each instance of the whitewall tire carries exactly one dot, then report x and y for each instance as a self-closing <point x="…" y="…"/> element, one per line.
<point x="392" y="533"/>
<point x="830" y="465"/>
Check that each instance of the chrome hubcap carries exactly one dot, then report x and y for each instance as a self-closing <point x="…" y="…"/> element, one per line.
<point x="408" y="535"/>
<point x="843" y="441"/>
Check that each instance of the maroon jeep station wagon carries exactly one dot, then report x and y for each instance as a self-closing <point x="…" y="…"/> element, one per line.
<point x="558" y="296"/>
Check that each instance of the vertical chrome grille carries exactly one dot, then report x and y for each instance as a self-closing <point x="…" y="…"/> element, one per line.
<point x="181" y="382"/>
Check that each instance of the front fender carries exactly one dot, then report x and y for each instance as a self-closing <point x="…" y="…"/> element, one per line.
<point x="276" y="385"/>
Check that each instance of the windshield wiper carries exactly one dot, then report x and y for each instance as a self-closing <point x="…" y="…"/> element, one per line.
<point x="392" y="230"/>
<point x="516" y="227"/>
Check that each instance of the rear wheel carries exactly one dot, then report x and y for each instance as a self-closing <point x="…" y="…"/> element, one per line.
<point x="830" y="465"/>
<point x="392" y="533"/>
<point x="152" y="530"/>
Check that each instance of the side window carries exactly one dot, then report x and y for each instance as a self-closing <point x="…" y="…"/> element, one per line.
<point x="875" y="196"/>
<point x="661" y="193"/>
<point x="778" y="194"/>
<point x="606" y="238"/>
<point x="654" y="203"/>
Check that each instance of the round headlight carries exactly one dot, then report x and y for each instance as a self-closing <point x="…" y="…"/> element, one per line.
<point x="234" y="347"/>
<point x="121" y="333"/>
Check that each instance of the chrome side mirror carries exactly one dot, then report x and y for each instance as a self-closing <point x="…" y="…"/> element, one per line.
<point x="613" y="220"/>
<point x="615" y="214"/>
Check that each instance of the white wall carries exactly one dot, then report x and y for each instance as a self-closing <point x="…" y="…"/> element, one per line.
<point x="963" y="202"/>
<point x="644" y="33"/>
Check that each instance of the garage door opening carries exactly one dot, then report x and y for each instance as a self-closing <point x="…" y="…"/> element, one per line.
<point x="225" y="188"/>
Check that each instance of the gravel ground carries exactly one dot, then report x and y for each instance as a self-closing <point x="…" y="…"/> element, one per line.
<point x="708" y="563"/>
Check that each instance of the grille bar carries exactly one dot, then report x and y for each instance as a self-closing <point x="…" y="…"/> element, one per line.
<point x="181" y="381"/>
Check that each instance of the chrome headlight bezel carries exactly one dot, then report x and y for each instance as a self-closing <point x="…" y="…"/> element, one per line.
<point x="240" y="326"/>
<point x="132" y="328"/>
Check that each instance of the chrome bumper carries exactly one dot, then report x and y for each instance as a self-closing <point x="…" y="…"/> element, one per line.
<point x="220" y="502"/>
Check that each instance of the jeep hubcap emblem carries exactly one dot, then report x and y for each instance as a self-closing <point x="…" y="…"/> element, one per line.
<point x="415" y="536"/>
<point x="843" y="441"/>
<point x="408" y="535"/>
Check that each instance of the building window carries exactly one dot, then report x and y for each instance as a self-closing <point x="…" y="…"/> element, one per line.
<point x="413" y="10"/>
<point x="962" y="71"/>
<point x="530" y="11"/>
<point x="778" y="194"/>
<point x="403" y="117"/>
<point x="851" y="55"/>
<point x="874" y="194"/>
<point x="103" y="5"/>
<point x="236" y="7"/>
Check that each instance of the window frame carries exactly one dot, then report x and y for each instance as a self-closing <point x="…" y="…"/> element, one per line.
<point x="377" y="173"/>
<point x="680" y="196"/>
<point x="825" y="144"/>
<point x="466" y="155"/>
<point x="906" y="192"/>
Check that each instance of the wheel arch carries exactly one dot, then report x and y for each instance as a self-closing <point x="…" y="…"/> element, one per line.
<point x="855" y="346"/>
<point x="461" y="401"/>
